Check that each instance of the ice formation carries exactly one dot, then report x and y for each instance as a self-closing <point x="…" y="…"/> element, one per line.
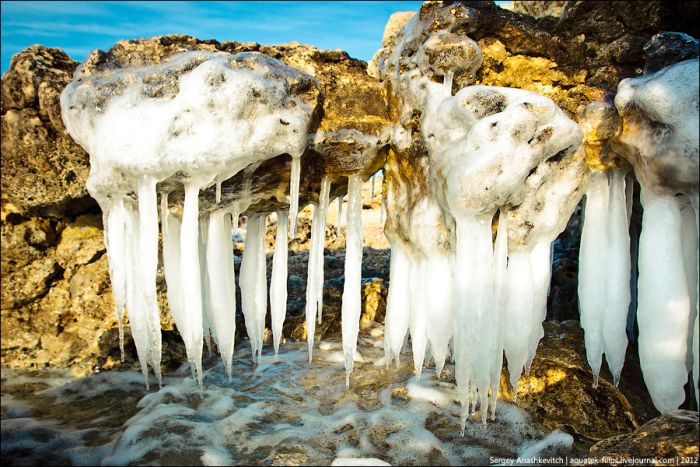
<point x="253" y="282"/>
<point x="495" y="155"/>
<point x="278" y="284"/>
<point x="314" y="284"/>
<point x="604" y="271"/>
<point x="192" y="121"/>
<point x="659" y="137"/>
<point x="221" y="274"/>
<point x="479" y="182"/>
<point x="351" y="307"/>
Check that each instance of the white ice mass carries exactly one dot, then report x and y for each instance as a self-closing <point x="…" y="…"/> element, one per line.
<point x="660" y="138"/>
<point x="501" y="172"/>
<point x="215" y="115"/>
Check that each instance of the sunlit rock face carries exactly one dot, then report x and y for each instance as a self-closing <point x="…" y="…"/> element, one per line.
<point x="43" y="170"/>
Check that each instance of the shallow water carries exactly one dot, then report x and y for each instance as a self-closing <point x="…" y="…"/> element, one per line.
<point x="289" y="412"/>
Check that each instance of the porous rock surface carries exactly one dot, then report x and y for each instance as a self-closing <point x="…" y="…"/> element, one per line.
<point x="670" y="437"/>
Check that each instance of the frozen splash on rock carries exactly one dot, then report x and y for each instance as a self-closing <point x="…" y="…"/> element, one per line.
<point x="659" y="137"/>
<point x="192" y="121"/>
<point x="465" y="162"/>
<point x="286" y="412"/>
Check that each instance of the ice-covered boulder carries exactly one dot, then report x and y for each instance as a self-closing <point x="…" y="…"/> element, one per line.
<point x="659" y="137"/>
<point x="485" y="157"/>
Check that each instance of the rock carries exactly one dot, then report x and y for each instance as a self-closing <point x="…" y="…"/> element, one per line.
<point x="559" y="393"/>
<point x="30" y="283"/>
<point x="374" y="290"/>
<point x="563" y="296"/>
<point x="52" y="239"/>
<point x="43" y="170"/>
<point x="373" y="302"/>
<point x="672" y="436"/>
<point x="396" y="21"/>
<point x="540" y="9"/>
<point x="27" y="241"/>
<point x="81" y="242"/>
<point x="667" y="48"/>
<point x="658" y="135"/>
<point x="347" y="136"/>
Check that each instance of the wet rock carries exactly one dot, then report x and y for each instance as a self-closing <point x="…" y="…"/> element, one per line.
<point x="559" y="393"/>
<point x="667" y="48"/>
<point x="672" y="436"/>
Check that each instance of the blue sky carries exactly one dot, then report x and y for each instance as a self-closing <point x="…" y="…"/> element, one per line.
<point x="80" y="27"/>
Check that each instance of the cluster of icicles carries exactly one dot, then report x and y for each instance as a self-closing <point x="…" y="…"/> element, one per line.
<point x="667" y="284"/>
<point x="474" y="304"/>
<point x="199" y="271"/>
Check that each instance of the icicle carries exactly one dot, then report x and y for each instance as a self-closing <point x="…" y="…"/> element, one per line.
<point x="222" y="284"/>
<point x="208" y="327"/>
<point x="397" y="304"/>
<point x="592" y="284"/>
<point x="438" y="284"/>
<point x="323" y="213"/>
<point x="218" y="192"/>
<point x="540" y="260"/>
<point x="190" y="277"/>
<point x="500" y="261"/>
<point x="135" y="304"/>
<point x="350" y="312"/>
<point x="516" y="320"/>
<point x="696" y="337"/>
<point x="261" y="283"/>
<point x="447" y="81"/>
<point x="278" y="284"/>
<point x="171" y="266"/>
<point x="294" y="194"/>
<point x="418" y="313"/>
<point x="475" y="330"/>
<point x="340" y="214"/>
<point x="148" y="259"/>
<point x="253" y="283"/>
<point x="618" y="276"/>
<point x="382" y="213"/>
<point x="312" y="283"/>
<point x="115" y="240"/>
<point x="371" y="196"/>
<point x="690" y="257"/>
<point x="664" y="301"/>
